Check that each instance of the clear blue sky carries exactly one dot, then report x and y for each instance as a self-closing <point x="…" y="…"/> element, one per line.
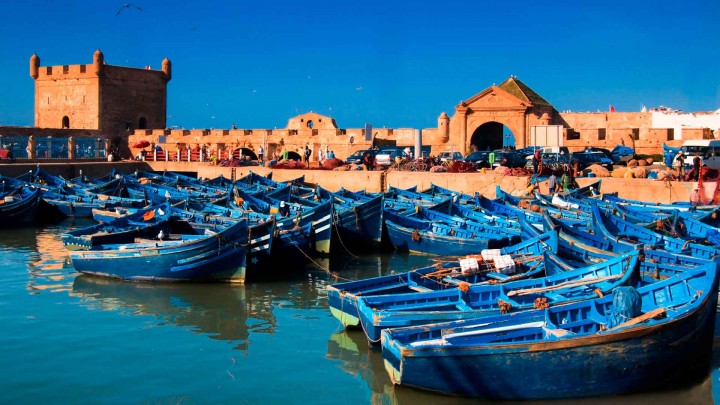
<point x="394" y="64"/>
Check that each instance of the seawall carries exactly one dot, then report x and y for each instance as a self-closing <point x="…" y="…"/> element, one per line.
<point x="637" y="189"/>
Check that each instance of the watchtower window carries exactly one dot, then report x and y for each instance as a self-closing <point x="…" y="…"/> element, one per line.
<point x="310" y="124"/>
<point x="65" y="122"/>
<point x="49" y="70"/>
<point x="82" y="68"/>
<point x="601" y="134"/>
<point x="66" y="69"/>
<point x="142" y="123"/>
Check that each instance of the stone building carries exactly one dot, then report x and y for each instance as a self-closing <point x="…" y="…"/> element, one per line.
<point x="126" y="105"/>
<point x="483" y="121"/>
<point x="111" y="99"/>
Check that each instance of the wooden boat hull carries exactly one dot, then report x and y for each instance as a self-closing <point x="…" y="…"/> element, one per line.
<point x="639" y="357"/>
<point x="399" y="310"/>
<point x="359" y="225"/>
<point x="220" y="257"/>
<point x="429" y="243"/>
<point x="21" y="211"/>
<point x="342" y="297"/>
<point x="260" y="248"/>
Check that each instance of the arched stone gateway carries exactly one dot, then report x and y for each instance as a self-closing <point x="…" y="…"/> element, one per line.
<point x="478" y="121"/>
<point x="490" y="136"/>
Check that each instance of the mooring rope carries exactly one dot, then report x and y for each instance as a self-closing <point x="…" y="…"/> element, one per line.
<point x="341" y="241"/>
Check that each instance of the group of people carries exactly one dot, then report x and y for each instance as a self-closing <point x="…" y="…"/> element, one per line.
<point x="565" y="183"/>
<point x="679" y="165"/>
<point x="327" y="155"/>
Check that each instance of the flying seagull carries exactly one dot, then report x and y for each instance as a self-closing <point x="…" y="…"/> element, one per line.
<point x="126" y="5"/>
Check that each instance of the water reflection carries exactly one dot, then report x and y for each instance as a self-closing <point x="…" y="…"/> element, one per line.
<point x="234" y="313"/>
<point x="355" y="268"/>
<point x="351" y="349"/>
<point x="50" y="268"/>
<point x="220" y="311"/>
<point x="42" y="254"/>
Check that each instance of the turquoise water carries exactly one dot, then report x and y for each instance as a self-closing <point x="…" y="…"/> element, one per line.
<point x="75" y="339"/>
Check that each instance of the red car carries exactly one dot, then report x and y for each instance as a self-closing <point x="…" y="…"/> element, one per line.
<point x="6" y="154"/>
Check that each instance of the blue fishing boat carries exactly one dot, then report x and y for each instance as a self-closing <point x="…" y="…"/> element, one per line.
<point x="342" y="297"/>
<point x="261" y="229"/>
<point x="399" y="310"/>
<point x="502" y="209"/>
<point x="614" y="226"/>
<point x="357" y="222"/>
<point x="181" y="251"/>
<point x="19" y="202"/>
<point x="525" y="204"/>
<point x="50" y="182"/>
<point x="298" y="236"/>
<point x="474" y="213"/>
<point x="82" y="205"/>
<point x="579" y="247"/>
<point x="458" y="197"/>
<point x="397" y="199"/>
<point x="119" y="230"/>
<point x="628" y="341"/>
<point x="253" y="178"/>
<point x="411" y="234"/>
<point x="159" y="192"/>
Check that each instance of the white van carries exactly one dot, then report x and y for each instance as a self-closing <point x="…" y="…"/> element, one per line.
<point x="708" y="149"/>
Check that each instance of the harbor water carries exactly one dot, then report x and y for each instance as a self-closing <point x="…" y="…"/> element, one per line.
<point x="72" y="339"/>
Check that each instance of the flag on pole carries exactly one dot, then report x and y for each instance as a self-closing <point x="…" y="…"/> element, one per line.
<point x="612" y="109"/>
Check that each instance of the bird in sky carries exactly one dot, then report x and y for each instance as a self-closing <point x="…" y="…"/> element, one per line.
<point x="126" y="5"/>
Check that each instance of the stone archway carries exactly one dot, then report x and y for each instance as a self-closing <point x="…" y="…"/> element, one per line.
<point x="479" y="120"/>
<point x="488" y="136"/>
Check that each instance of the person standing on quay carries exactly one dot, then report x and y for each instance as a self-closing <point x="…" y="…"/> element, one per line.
<point x="261" y="153"/>
<point x="552" y="184"/>
<point x="536" y="160"/>
<point x="566" y="181"/>
<point x="320" y="156"/>
<point x="679" y="163"/>
<point x="697" y="162"/>
<point x="366" y="160"/>
<point x="307" y="154"/>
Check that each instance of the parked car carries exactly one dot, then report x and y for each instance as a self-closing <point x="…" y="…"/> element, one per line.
<point x="386" y="157"/>
<point x="357" y="157"/>
<point x="529" y="150"/>
<point x="7" y="154"/>
<point x="620" y="154"/>
<point x="509" y="158"/>
<point x="445" y="156"/>
<point x="604" y="151"/>
<point x="479" y="159"/>
<point x="586" y="159"/>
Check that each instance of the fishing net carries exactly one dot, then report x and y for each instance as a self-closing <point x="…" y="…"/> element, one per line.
<point x="626" y="306"/>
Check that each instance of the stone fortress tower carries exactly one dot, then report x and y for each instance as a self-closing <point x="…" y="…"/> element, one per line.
<point x="112" y="99"/>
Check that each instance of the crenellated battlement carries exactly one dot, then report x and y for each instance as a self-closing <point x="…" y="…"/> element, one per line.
<point x="65" y="72"/>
